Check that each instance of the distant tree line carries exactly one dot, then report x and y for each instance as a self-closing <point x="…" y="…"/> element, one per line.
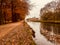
<point x="51" y="12"/>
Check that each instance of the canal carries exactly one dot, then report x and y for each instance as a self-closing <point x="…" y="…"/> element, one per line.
<point x="39" y="38"/>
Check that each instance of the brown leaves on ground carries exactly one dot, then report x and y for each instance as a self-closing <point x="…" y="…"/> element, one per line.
<point x="20" y="35"/>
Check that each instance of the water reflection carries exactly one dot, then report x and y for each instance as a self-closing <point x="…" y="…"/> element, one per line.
<point x="51" y="31"/>
<point x="40" y="39"/>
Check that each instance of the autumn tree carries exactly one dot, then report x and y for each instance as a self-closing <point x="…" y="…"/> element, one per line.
<point x="1" y="13"/>
<point x="51" y="11"/>
<point x="13" y="10"/>
<point x="4" y="9"/>
<point x="19" y="9"/>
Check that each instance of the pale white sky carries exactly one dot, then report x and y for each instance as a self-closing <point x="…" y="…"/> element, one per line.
<point x="38" y="4"/>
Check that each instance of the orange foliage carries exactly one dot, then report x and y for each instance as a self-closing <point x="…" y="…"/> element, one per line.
<point x="19" y="6"/>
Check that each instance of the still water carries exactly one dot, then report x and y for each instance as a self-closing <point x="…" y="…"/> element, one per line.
<point x="35" y="12"/>
<point x="39" y="38"/>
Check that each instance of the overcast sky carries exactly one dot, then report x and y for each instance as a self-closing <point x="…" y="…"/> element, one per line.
<point x="38" y="4"/>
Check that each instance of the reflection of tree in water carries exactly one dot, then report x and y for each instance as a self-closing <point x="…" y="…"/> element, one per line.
<point x="51" y="31"/>
<point x="51" y="14"/>
<point x="49" y="26"/>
